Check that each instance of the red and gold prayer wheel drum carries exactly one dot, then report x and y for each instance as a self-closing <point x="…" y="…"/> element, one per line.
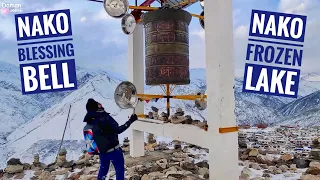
<point x="167" y="46"/>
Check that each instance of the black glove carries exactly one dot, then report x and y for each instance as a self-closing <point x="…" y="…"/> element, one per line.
<point x="133" y="118"/>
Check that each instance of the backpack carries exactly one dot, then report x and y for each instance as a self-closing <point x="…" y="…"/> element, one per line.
<point x="91" y="145"/>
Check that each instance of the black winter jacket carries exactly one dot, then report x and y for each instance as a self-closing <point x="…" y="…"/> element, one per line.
<point x="105" y="129"/>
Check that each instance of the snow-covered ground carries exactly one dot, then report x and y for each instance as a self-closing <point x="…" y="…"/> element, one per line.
<point x="286" y="176"/>
<point x="202" y="156"/>
<point x="29" y="134"/>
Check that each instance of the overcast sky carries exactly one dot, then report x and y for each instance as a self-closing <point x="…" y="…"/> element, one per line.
<point x="100" y="42"/>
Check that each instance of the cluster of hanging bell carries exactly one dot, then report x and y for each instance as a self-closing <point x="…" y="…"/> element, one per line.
<point x="119" y="9"/>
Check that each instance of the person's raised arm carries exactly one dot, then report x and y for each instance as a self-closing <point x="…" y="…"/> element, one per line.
<point x="126" y="125"/>
<point x="110" y="126"/>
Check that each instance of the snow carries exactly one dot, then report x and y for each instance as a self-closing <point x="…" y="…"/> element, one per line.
<point x="28" y="175"/>
<point x="203" y="154"/>
<point x="311" y="77"/>
<point x="255" y="130"/>
<point x="50" y="124"/>
<point x="30" y="124"/>
<point x="287" y="175"/>
<point x="17" y="109"/>
<point x="203" y="157"/>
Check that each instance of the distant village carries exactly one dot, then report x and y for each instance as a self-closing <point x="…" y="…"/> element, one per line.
<point x="280" y="140"/>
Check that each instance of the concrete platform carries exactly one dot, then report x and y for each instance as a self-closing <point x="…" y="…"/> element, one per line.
<point x="182" y="132"/>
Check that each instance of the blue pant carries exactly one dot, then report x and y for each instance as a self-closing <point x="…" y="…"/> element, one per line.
<point x="117" y="159"/>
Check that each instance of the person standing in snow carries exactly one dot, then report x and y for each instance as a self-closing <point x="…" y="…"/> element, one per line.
<point x="104" y="131"/>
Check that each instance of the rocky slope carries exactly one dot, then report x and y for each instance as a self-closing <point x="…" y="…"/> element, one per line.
<point x="174" y="161"/>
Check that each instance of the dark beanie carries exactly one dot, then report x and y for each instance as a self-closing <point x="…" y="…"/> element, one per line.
<point x="92" y="105"/>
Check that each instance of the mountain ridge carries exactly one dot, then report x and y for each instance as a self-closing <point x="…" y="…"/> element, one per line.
<point x="32" y="134"/>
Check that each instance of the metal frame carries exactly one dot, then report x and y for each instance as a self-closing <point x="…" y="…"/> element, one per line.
<point x="181" y="2"/>
<point x="221" y="138"/>
<point x="169" y="96"/>
<point x="145" y="6"/>
<point x="137" y="12"/>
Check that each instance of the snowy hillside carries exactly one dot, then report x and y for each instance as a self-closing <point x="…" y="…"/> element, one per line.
<point x="45" y="130"/>
<point x="17" y="109"/>
<point x="304" y="119"/>
<point x="301" y="105"/>
<point x="49" y="149"/>
<point x="312" y="77"/>
<point x="304" y="111"/>
<point x="50" y="123"/>
<point x="309" y="83"/>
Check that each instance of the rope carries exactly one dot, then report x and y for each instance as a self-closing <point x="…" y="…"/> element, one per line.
<point x="163" y="88"/>
<point x="65" y="127"/>
<point x="173" y="87"/>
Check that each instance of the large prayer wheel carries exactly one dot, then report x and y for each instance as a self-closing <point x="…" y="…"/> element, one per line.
<point x="167" y="46"/>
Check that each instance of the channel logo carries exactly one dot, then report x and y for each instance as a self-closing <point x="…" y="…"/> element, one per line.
<point x="5" y="10"/>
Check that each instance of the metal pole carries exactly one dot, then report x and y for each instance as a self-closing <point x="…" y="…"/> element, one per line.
<point x="65" y="127"/>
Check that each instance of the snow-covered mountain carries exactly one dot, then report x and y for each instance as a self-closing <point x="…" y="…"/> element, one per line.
<point x="255" y="108"/>
<point x="304" y="111"/>
<point x="49" y="124"/>
<point x="17" y="109"/>
<point x="311" y="77"/>
<point x="304" y="119"/>
<point x="30" y="137"/>
<point x="309" y="83"/>
<point x="301" y="105"/>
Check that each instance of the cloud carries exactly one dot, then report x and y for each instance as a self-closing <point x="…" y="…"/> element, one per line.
<point x="240" y="41"/>
<point x="7" y="27"/>
<point x="198" y="33"/>
<point x="197" y="49"/>
<point x="293" y="6"/>
<point x="241" y="32"/>
<point x="310" y="8"/>
<point x="83" y="19"/>
<point x="236" y="13"/>
<point x="98" y="39"/>
<point x="103" y="16"/>
<point x="100" y="43"/>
